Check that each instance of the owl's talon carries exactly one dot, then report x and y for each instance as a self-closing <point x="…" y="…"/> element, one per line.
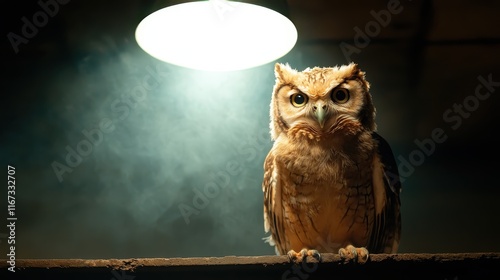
<point x="302" y="255"/>
<point x="292" y="255"/>
<point x="315" y="254"/>
<point x="351" y="253"/>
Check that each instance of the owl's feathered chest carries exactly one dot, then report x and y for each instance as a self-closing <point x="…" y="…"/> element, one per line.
<point x="326" y="185"/>
<point x="334" y="163"/>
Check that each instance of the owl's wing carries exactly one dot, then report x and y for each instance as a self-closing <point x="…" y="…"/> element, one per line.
<point x="387" y="186"/>
<point x="273" y="210"/>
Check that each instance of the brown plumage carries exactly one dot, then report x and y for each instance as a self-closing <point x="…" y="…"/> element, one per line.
<point x="330" y="182"/>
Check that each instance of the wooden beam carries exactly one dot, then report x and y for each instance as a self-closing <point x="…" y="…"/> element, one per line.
<point x="386" y="266"/>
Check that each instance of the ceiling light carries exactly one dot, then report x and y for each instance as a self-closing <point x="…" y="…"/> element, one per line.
<point x="216" y="35"/>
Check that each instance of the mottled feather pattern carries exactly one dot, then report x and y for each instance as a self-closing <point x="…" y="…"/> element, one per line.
<point x="325" y="182"/>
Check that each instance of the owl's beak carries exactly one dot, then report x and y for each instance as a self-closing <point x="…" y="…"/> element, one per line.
<point x="319" y="110"/>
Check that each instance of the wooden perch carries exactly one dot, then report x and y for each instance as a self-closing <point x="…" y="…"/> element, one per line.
<point x="381" y="266"/>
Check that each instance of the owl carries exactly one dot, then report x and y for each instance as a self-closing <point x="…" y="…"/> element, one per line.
<point x="331" y="182"/>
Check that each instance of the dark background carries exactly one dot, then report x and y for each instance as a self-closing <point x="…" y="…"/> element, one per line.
<point x="122" y="200"/>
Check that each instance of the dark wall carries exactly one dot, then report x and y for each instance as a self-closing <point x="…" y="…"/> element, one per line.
<point x="106" y="163"/>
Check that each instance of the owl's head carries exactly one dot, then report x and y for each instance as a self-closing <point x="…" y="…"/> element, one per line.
<point x="320" y="102"/>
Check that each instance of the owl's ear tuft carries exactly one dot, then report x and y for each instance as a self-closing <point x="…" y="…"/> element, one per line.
<point x="356" y="73"/>
<point x="283" y="72"/>
<point x="354" y="66"/>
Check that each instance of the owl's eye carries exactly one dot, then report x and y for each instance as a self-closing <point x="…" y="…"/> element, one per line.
<point x="298" y="99"/>
<point x="340" y="95"/>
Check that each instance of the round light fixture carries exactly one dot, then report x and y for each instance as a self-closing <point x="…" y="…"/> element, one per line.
<point x="216" y="35"/>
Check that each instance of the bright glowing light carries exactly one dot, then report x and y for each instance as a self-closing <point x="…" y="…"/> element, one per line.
<point x="216" y="35"/>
